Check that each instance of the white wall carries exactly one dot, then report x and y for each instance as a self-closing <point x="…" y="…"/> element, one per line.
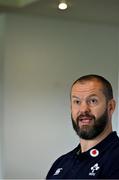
<point x="42" y="58"/>
<point x="2" y="29"/>
<point x="118" y="104"/>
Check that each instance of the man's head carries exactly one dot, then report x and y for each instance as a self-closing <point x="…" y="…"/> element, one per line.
<point x="92" y="105"/>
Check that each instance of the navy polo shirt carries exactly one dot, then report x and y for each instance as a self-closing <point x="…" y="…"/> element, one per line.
<point x="99" y="162"/>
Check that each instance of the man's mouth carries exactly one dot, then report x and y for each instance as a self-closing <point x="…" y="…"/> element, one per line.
<point x="85" y="120"/>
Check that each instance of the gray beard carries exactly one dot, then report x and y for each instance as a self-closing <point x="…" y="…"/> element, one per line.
<point x="90" y="132"/>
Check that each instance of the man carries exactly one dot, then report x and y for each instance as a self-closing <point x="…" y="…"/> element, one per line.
<point x="97" y="155"/>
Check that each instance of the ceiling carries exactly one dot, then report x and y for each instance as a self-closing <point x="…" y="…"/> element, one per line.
<point x="100" y="11"/>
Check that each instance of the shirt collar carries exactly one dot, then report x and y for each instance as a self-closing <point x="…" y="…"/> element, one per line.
<point x="100" y="147"/>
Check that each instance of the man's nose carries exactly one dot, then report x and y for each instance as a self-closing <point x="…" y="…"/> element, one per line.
<point x="84" y="107"/>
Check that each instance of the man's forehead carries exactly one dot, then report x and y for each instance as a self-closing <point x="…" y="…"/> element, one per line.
<point x="87" y="86"/>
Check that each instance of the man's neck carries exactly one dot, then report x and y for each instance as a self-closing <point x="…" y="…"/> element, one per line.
<point x="88" y="144"/>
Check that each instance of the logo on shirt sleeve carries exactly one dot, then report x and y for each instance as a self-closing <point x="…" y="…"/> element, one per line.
<point x="94" y="169"/>
<point x="57" y="171"/>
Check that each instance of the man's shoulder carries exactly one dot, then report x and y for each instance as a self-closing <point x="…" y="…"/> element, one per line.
<point x="111" y="150"/>
<point x="115" y="150"/>
<point x="66" y="157"/>
<point x="61" y="162"/>
<point x="68" y="154"/>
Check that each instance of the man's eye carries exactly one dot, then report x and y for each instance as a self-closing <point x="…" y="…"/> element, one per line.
<point x="93" y="101"/>
<point x="76" y="102"/>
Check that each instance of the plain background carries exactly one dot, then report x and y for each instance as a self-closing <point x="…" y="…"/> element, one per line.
<point x="40" y="58"/>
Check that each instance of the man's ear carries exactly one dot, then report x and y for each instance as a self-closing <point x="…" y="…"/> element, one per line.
<point x="111" y="106"/>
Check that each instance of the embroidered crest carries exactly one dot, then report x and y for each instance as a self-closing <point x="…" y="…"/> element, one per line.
<point x="94" y="169"/>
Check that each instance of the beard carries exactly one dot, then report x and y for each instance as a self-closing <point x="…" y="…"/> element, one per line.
<point x="89" y="132"/>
